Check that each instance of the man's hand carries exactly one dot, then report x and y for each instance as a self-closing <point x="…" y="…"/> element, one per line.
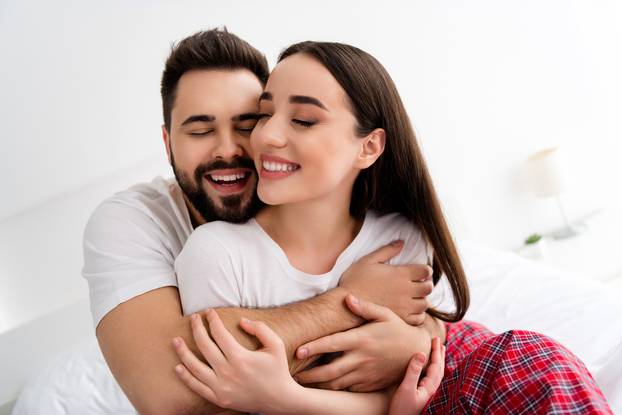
<point x="375" y="355"/>
<point x="401" y="288"/>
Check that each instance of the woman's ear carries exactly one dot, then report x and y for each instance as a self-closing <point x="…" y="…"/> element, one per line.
<point x="371" y="148"/>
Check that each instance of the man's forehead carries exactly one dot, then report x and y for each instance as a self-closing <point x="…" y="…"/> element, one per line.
<point x="218" y="93"/>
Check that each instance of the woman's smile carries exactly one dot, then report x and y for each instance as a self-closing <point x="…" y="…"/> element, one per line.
<point x="273" y="167"/>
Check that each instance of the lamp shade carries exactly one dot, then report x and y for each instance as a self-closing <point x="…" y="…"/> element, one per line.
<point x="544" y="173"/>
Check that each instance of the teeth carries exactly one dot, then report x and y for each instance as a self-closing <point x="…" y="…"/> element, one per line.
<point x="272" y="166"/>
<point x="229" y="178"/>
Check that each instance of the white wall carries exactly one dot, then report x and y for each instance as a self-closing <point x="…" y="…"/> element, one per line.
<point x="486" y="82"/>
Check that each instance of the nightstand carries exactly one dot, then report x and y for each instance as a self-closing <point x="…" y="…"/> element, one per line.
<point x="595" y="253"/>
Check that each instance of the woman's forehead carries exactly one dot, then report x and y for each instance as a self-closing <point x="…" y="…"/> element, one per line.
<point x="301" y="74"/>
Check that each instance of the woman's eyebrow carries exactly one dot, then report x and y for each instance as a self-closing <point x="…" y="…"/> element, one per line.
<point x="304" y="99"/>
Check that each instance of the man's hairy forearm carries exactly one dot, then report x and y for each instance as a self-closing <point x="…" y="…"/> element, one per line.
<point x="296" y="323"/>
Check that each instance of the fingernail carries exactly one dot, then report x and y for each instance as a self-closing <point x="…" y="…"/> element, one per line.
<point x="302" y="353"/>
<point x="420" y="358"/>
<point x="354" y="299"/>
<point x="179" y="369"/>
<point x="244" y="320"/>
<point x="397" y="242"/>
<point x="176" y="342"/>
<point x="194" y="316"/>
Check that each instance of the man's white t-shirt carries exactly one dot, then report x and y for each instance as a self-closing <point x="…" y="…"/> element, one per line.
<point x="239" y="265"/>
<point x="131" y="242"/>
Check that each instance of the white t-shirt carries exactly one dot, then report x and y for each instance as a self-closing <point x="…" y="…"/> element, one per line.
<point x="239" y="265"/>
<point x="131" y="242"/>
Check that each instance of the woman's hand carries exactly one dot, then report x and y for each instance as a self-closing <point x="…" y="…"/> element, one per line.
<point x="375" y="355"/>
<point x="412" y="396"/>
<point x="237" y="378"/>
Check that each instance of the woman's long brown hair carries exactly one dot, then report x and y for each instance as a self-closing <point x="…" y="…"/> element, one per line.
<point x="399" y="180"/>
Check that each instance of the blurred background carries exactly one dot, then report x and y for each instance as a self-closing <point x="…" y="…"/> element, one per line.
<point x="488" y="84"/>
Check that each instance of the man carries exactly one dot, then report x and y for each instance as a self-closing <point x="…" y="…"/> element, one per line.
<point x="210" y="90"/>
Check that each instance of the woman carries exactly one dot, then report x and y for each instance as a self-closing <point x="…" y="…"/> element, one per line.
<point x="339" y="169"/>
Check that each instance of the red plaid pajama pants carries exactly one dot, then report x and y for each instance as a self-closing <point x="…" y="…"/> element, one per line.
<point x="517" y="372"/>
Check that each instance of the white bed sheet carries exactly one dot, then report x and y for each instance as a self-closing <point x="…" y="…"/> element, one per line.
<point x="507" y="291"/>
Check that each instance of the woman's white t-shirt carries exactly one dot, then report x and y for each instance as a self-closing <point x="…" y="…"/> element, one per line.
<point x="239" y="265"/>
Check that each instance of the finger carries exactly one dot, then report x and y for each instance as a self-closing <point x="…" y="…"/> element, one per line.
<point x="268" y="338"/>
<point x="417" y="272"/>
<point x="418" y="305"/>
<point x="365" y="387"/>
<point x="328" y="372"/>
<point x="384" y="253"/>
<point x="192" y="363"/>
<point x="225" y="340"/>
<point x="368" y="310"/>
<point x="338" y="342"/>
<point x="204" y="342"/>
<point x="421" y="289"/>
<point x="434" y="373"/>
<point x="415" y="319"/>
<point x="413" y="372"/>
<point x="194" y="384"/>
<point x="341" y="383"/>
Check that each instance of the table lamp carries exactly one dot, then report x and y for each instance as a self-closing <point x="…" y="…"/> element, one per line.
<point x="546" y="179"/>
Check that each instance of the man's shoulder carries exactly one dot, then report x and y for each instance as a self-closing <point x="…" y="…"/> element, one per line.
<point x="157" y="203"/>
<point x="159" y="196"/>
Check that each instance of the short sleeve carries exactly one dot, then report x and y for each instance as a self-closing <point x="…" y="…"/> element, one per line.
<point x="417" y="249"/>
<point x="125" y="254"/>
<point x="206" y="273"/>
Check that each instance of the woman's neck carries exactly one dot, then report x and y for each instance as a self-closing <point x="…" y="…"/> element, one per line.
<point x="312" y="233"/>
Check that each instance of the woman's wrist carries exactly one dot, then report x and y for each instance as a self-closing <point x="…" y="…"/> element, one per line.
<point x="294" y="400"/>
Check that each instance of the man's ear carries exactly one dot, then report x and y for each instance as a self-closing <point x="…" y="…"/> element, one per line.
<point x="371" y="148"/>
<point x="166" y="137"/>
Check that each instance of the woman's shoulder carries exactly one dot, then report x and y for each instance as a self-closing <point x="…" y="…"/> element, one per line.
<point x="390" y="221"/>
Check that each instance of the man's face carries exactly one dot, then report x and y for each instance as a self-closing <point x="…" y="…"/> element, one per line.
<point x="208" y="144"/>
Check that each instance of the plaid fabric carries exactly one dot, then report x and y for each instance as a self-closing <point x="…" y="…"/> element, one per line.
<point x="517" y="372"/>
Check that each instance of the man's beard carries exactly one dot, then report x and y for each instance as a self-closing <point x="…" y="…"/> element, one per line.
<point x="233" y="208"/>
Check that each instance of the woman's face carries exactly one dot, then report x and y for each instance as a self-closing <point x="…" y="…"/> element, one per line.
<point x="304" y="144"/>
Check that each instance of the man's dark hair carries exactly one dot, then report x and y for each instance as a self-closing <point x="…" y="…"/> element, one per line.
<point x="209" y="49"/>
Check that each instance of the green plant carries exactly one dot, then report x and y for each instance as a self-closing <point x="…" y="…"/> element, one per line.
<point x="533" y="238"/>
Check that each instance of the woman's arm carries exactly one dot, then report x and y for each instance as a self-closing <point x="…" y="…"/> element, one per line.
<point x="260" y="381"/>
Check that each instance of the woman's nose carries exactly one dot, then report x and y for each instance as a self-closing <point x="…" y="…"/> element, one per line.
<point x="269" y="133"/>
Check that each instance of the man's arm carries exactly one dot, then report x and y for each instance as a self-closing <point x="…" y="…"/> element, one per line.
<point x="135" y="339"/>
<point x="136" y="336"/>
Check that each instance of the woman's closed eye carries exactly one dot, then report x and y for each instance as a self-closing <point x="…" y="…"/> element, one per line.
<point x="304" y="123"/>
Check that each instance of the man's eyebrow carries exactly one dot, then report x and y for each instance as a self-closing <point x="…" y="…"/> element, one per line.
<point x="245" y="116"/>
<point x="199" y="118"/>
<point x="303" y="99"/>
<point x="265" y="96"/>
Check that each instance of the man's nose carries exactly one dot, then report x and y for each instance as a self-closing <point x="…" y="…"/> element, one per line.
<point x="228" y="147"/>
